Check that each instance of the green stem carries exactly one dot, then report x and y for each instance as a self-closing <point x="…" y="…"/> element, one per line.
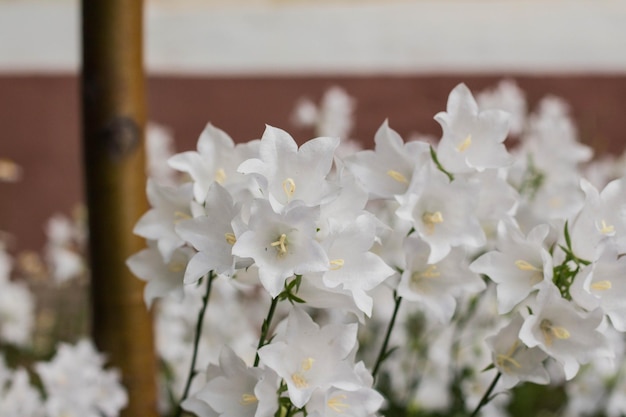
<point x="265" y="329"/>
<point x="383" y="350"/>
<point x="196" y="344"/>
<point x="486" y="398"/>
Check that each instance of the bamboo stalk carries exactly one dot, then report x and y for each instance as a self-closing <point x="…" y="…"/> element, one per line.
<point x="114" y="114"/>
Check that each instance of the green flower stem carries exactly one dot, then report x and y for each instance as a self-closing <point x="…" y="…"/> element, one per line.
<point x="196" y="343"/>
<point x="265" y="329"/>
<point x="382" y="355"/>
<point x="487" y="397"/>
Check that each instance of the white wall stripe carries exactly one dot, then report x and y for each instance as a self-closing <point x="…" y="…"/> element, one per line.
<point x="192" y="38"/>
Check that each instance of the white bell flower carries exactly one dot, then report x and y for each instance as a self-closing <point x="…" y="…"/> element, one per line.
<point x="472" y="139"/>
<point x="163" y="277"/>
<point x="238" y="390"/>
<point x="603" y="284"/>
<point x="387" y="170"/>
<point x="19" y="398"/>
<point x="17" y="313"/>
<point x="602" y="218"/>
<point x="212" y="235"/>
<point x="309" y="358"/>
<point x="436" y="284"/>
<point x="216" y="160"/>
<point x="286" y="173"/>
<point x="518" y="266"/>
<point x="352" y="266"/>
<point x="77" y="385"/>
<point x="443" y="213"/>
<point x="514" y="360"/>
<point x="563" y="332"/>
<point x="281" y="245"/>
<point x="169" y="206"/>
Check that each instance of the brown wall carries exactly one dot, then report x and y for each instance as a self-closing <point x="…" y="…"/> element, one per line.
<point x="39" y="122"/>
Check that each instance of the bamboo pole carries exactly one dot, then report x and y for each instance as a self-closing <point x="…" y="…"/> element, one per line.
<point x="114" y="113"/>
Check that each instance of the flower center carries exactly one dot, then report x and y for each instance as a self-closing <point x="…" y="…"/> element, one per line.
<point x="281" y="245"/>
<point x="298" y="378"/>
<point x="430" y="272"/>
<point x="336" y="264"/>
<point x="606" y="229"/>
<point x="397" y="176"/>
<point x="465" y="144"/>
<point x="337" y="403"/>
<point x="549" y="330"/>
<point x="430" y="220"/>
<point x="220" y="176"/>
<point x="289" y="187"/>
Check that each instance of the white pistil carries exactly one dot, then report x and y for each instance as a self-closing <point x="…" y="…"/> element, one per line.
<point x="336" y="264"/>
<point x="465" y="144"/>
<point x="220" y="176"/>
<point x="230" y="238"/>
<point x="430" y="220"/>
<point x="602" y="285"/>
<point x="280" y="245"/>
<point x="289" y="187"/>
<point x="549" y="330"/>
<point x="248" y="399"/>
<point x="397" y="176"/>
<point x="337" y="403"/>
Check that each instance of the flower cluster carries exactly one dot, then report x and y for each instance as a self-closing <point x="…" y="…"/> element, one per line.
<point x="40" y="377"/>
<point x="508" y="261"/>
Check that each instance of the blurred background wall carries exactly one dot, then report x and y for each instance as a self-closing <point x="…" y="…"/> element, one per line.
<point x="243" y="63"/>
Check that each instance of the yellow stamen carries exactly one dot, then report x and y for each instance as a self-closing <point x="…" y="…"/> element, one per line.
<point x="504" y="360"/>
<point x="176" y="266"/>
<point x="299" y="380"/>
<point x="602" y="285"/>
<point x="220" y="176"/>
<point x="336" y="264"/>
<point x="307" y="364"/>
<point x="281" y="244"/>
<point x="248" y="399"/>
<point x="549" y="330"/>
<point x="397" y="176"/>
<point x="465" y="144"/>
<point x="430" y="220"/>
<point x="430" y="272"/>
<point x="606" y="228"/>
<point x="230" y="238"/>
<point x="180" y="216"/>
<point x="336" y="403"/>
<point x="289" y="187"/>
<point x="523" y="265"/>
